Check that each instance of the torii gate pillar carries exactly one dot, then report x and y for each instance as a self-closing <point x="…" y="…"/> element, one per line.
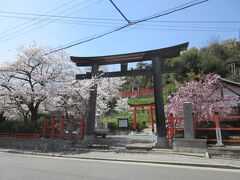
<point x="162" y="141"/>
<point x="90" y="123"/>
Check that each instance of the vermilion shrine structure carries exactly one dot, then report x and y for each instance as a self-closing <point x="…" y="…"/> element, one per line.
<point x="143" y="107"/>
<point x="156" y="56"/>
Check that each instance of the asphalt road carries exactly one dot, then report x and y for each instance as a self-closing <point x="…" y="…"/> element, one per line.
<point x="27" y="167"/>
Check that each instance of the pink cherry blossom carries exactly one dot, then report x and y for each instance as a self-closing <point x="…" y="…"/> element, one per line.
<point x="205" y="95"/>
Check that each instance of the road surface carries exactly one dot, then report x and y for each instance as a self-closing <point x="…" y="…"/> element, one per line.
<point x="29" y="167"/>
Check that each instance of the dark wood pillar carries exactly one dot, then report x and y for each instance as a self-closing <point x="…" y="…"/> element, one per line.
<point x="151" y="117"/>
<point x="158" y="97"/>
<point x="134" y="119"/>
<point x="90" y="123"/>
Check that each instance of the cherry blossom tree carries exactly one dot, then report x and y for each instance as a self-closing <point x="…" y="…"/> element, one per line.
<point x="205" y="95"/>
<point x="108" y="88"/>
<point x="39" y="83"/>
<point x="122" y="105"/>
<point x="73" y="98"/>
<point x="32" y="79"/>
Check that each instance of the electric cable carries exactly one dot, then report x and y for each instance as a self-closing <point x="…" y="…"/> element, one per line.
<point x="172" y="10"/>
<point x="119" y="11"/>
<point x="24" y="31"/>
<point x="32" y="18"/>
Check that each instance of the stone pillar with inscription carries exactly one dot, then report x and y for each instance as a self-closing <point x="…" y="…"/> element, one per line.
<point x="189" y="143"/>
<point x="188" y="121"/>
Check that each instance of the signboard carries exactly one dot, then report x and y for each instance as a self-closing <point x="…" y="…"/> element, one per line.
<point x="122" y="122"/>
<point x="219" y="136"/>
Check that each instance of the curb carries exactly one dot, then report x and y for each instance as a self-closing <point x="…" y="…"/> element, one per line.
<point x="219" y="166"/>
<point x="141" y="151"/>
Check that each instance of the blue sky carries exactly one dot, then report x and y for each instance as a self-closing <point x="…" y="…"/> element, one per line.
<point x="19" y="27"/>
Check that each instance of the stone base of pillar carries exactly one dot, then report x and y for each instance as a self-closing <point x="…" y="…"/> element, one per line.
<point x="219" y="144"/>
<point x="89" y="139"/>
<point x="162" y="143"/>
<point x="190" y="145"/>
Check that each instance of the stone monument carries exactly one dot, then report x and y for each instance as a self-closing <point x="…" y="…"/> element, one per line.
<point x="189" y="143"/>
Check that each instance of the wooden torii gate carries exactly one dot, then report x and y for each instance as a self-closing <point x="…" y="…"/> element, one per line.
<point x="156" y="56"/>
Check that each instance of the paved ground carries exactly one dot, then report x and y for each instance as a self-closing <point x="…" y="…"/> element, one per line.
<point x="148" y="140"/>
<point x="123" y="140"/>
<point x="118" y="153"/>
<point x="156" y="157"/>
<point x="26" y="167"/>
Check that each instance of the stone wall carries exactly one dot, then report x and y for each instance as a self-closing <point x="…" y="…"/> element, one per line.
<point x="41" y="145"/>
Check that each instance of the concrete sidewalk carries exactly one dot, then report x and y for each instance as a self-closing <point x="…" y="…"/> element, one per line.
<point x="158" y="157"/>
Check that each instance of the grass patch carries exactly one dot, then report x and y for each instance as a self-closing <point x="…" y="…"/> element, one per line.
<point x="141" y="100"/>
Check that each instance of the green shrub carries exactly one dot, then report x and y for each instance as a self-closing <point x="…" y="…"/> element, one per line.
<point x="112" y="126"/>
<point x="179" y="134"/>
<point x="20" y="127"/>
<point x="143" y="120"/>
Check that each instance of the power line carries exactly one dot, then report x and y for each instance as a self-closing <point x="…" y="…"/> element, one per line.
<point x="119" y="11"/>
<point x="32" y="19"/>
<point x="199" y="22"/>
<point x="109" y="24"/>
<point x="24" y="31"/>
<point x="48" y="15"/>
<point x="34" y="15"/>
<point x="64" y="19"/>
<point x="104" y="24"/>
<point x="153" y="27"/>
<point x="186" y="28"/>
<point x="171" y="28"/>
<point x="173" y="10"/>
<point x="175" y="29"/>
<point x="58" y="18"/>
<point x="87" y="40"/>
